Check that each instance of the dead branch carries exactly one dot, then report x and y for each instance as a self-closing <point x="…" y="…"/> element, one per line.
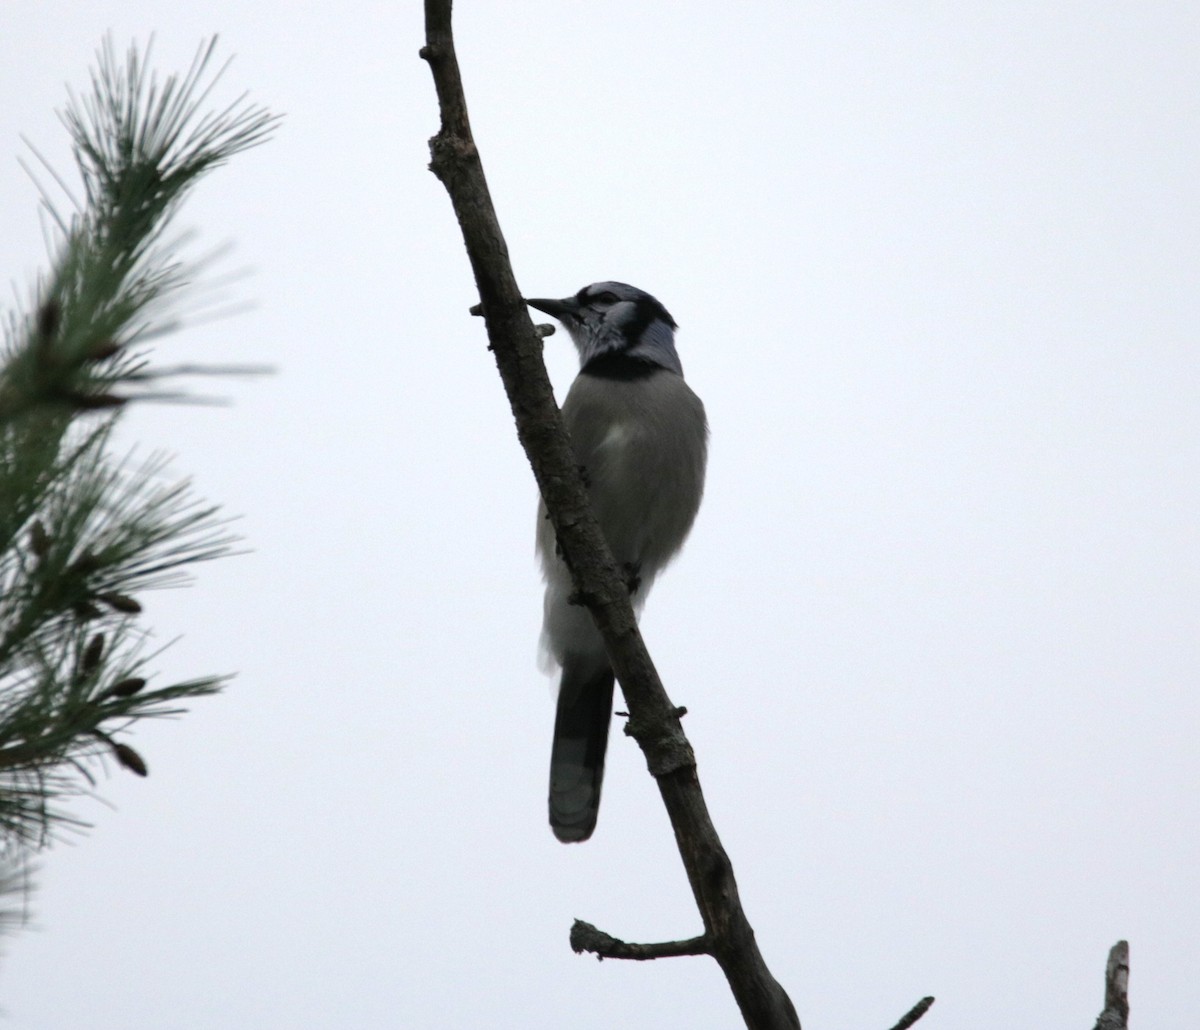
<point x="1116" y="989"/>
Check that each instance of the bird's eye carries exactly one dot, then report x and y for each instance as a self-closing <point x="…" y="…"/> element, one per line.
<point x="606" y="298"/>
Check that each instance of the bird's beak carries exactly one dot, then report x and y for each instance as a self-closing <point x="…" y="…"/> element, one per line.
<point x="560" y="309"/>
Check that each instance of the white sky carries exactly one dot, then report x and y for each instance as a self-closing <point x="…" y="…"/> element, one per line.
<point x="936" y="270"/>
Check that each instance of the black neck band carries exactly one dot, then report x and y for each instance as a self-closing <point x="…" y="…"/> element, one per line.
<point x="619" y="365"/>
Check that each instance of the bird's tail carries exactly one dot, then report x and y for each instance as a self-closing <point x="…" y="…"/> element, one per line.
<point x="585" y="703"/>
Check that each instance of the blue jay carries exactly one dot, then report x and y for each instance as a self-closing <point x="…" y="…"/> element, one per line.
<point x="640" y="434"/>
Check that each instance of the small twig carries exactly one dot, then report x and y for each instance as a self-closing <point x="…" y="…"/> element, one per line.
<point x="543" y="329"/>
<point x="585" y="937"/>
<point x="1116" y="989"/>
<point x="915" y="1013"/>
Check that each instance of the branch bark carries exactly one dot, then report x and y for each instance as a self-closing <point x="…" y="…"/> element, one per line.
<point x="1116" y="989"/>
<point x="585" y="937"/>
<point x="913" y="1014"/>
<point x="653" y="719"/>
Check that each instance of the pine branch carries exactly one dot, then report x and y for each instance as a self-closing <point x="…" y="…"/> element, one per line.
<point x="84" y="535"/>
<point x="140" y="147"/>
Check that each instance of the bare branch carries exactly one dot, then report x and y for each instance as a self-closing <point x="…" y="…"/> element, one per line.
<point x="915" y="1013"/>
<point x="585" y="937"/>
<point x="1116" y="989"/>
<point x="654" y="721"/>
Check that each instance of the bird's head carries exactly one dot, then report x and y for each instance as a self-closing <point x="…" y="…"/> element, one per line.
<point x="612" y="319"/>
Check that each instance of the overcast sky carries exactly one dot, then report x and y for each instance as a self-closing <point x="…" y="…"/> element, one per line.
<point x="937" y="627"/>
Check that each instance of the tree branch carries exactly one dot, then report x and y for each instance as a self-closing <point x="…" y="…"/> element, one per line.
<point x="654" y="722"/>
<point x="83" y="531"/>
<point x="1116" y="989"/>
<point x="913" y="1014"/>
<point x="585" y="937"/>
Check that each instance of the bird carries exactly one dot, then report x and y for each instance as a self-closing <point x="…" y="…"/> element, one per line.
<point x="640" y="436"/>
